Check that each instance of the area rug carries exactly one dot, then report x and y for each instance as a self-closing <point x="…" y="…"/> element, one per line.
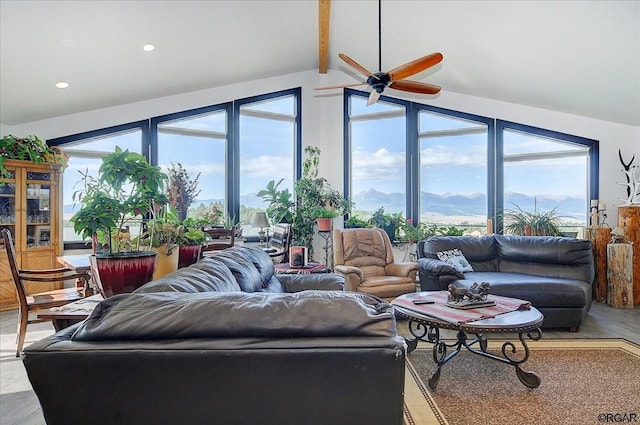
<point x="585" y="381"/>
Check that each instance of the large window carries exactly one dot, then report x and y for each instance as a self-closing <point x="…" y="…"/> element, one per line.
<point x="453" y="171"/>
<point x="451" y="168"/>
<point x="235" y="147"/>
<point x="85" y="153"/>
<point x="197" y="141"/>
<point x="377" y="158"/>
<point x="547" y="171"/>
<point x="269" y="139"/>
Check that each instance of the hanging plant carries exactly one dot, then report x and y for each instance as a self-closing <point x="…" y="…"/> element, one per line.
<point x="30" y="148"/>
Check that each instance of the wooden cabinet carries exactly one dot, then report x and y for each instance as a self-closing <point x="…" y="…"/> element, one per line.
<point x="30" y="209"/>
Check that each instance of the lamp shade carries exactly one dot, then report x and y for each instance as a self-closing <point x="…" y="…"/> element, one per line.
<point x="617" y="231"/>
<point x="261" y="220"/>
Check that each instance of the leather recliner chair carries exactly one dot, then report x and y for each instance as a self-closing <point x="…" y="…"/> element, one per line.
<point x="364" y="257"/>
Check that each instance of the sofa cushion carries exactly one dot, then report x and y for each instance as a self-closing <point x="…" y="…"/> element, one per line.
<point x="456" y="259"/>
<point x="170" y="315"/>
<point x="204" y="276"/>
<point x="549" y="256"/>
<point x="482" y="252"/>
<point x="540" y="290"/>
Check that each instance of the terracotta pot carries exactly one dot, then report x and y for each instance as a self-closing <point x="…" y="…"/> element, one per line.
<point x="324" y="224"/>
<point x="167" y="261"/>
<point x="123" y="272"/>
<point x="188" y="255"/>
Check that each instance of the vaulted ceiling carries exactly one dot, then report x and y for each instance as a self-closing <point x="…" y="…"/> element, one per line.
<point x="578" y="57"/>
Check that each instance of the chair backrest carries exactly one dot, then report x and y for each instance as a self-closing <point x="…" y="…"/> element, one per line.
<point x="368" y="249"/>
<point x="13" y="265"/>
<point x="281" y="241"/>
<point x="219" y="238"/>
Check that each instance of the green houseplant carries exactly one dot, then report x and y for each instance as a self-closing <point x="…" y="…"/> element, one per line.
<point x="281" y="206"/>
<point x="386" y="222"/>
<point x="127" y="189"/>
<point x="532" y="223"/>
<point x="312" y="193"/>
<point x="30" y="148"/>
<point x="324" y="217"/>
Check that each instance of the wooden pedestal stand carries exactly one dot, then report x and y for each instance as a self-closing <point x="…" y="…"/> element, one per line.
<point x="629" y="220"/>
<point x="599" y="237"/>
<point x="620" y="275"/>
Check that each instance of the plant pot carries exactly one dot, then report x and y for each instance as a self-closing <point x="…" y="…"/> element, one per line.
<point x="167" y="260"/>
<point x="124" y="272"/>
<point x="188" y="255"/>
<point x="324" y="224"/>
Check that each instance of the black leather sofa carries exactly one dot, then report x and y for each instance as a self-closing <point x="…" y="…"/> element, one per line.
<point x="222" y="342"/>
<point x="554" y="273"/>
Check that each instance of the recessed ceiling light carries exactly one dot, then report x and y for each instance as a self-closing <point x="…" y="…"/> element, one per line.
<point x="148" y="47"/>
<point x="62" y="84"/>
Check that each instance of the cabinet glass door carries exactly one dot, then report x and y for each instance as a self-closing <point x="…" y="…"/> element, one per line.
<point x="38" y="215"/>
<point x="8" y="203"/>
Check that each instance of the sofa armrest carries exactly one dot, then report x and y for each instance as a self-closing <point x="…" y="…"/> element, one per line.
<point x="434" y="268"/>
<point x="353" y="276"/>
<point x="314" y="281"/>
<point x="402" y="269"/>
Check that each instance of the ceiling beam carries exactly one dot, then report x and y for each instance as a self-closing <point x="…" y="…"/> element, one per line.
<point x="324" y="9"/>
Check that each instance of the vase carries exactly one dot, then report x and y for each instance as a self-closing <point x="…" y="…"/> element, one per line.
<point x="167" y="259"/>
<point x="123" y="272"/>
<point x="188" y="255"/>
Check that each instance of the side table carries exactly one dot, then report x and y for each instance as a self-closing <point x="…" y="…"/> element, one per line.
<point x="620" y="275"/>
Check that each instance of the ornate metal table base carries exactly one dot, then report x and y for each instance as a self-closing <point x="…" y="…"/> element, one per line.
<point x="477" y="345"/>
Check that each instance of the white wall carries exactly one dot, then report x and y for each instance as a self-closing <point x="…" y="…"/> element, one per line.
<point x="322" y="122"/>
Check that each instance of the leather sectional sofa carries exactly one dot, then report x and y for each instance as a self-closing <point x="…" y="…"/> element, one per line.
<point x="226" y="341"/>
<point x="554" y="273"/>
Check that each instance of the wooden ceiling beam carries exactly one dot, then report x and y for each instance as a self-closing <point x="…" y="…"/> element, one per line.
<point x="324" y="12"/>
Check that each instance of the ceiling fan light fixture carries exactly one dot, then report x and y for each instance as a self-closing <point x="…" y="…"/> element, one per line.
<point x="395" y="78"/>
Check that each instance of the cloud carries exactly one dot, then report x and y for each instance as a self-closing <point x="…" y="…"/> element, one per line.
<point x="380" y="164"/>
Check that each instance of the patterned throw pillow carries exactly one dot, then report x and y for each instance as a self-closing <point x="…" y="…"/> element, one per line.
<point x="456" y="259"/>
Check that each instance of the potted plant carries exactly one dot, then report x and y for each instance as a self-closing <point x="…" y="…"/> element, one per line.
<point x="30" y="148"/>
<point x="386" y="222"/>
<point x="355" y="222"/>
<point x="182" y="190"/>
<point x="127" y="190"/>
<point x="190" y="242"/>
<point x="532" y="223"/>
<point x="313" y="192"/>
<point x="281" y="205"/>
<point x="324" y="218"/>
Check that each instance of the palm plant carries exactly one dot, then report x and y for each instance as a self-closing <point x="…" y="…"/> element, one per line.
<point x="532" y="223"/>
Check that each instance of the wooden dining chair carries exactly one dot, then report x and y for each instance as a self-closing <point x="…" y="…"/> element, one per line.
<point x="219" y="239"/>
<point x="280" y="243"/>
<point x="38" y="301"/>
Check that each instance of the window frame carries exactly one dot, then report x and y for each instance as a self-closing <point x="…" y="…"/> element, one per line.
<point x="495" y="154"/>
<point x="149" y="141"/>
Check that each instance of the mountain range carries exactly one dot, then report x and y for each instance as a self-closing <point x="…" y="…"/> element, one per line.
<point x="441" y="204"/>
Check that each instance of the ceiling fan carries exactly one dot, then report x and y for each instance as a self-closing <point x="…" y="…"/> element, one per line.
<point x="395" y="78"/>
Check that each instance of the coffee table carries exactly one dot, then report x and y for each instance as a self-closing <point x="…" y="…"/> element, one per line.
<point x="424" y="327"/>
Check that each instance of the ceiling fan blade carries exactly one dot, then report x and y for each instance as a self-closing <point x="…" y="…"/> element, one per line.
<point x="415" y="66"/>
<point x="364" y="71"/>
<point x="373" y="97"/>
<point x="415" y="87"/>
<point x="340" y="86"/>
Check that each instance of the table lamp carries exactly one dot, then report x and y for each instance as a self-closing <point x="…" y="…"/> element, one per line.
<point x="260" y="220"/>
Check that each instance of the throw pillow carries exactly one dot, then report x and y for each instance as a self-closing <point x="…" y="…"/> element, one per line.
<point x="456" y="259"/>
